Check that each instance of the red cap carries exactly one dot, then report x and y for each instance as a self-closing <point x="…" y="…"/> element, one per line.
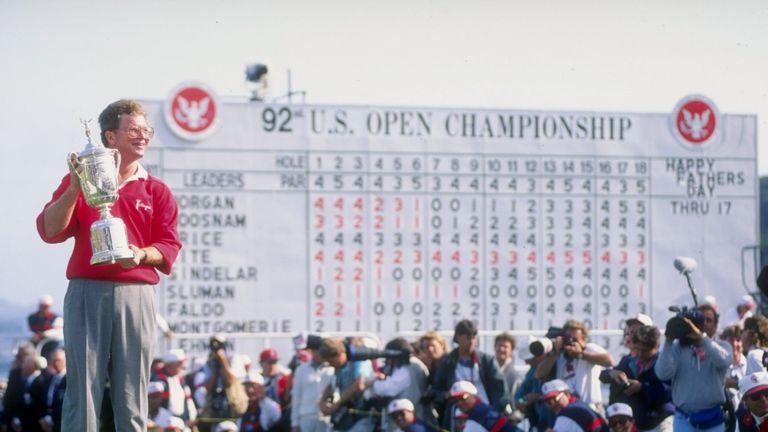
<point x="269" y="354"/>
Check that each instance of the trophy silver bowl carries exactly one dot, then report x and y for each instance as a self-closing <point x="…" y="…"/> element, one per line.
<point x="97" y="168"/>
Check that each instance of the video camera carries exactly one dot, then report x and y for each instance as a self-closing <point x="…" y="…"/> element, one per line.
<point x="677" y="328"/>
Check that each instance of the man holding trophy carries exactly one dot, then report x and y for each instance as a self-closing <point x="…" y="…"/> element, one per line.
<point x="109" y="308"/>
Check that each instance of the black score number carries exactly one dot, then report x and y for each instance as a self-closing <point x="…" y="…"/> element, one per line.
<point x="277" y="120"/>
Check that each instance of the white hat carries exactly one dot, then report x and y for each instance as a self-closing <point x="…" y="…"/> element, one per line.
<point x="640" y="318"/>
<point x="525" y="348"/>
<point x="747" y="300"/>
<point x="400" y="405"/>
<point x="753" y="383"/>
<point x="253" y="377"/>
<point x="174" y="355"/>
<point x="226" y="426"/>
<point x="155" y="387"/>
<point x="553" y="388"/>
<point x="175" y="422"/>
<point x="619" y="409"/>
<point x="46" y="300"/>
<point x="710" y="300"/>
<point x="460" y="388"/>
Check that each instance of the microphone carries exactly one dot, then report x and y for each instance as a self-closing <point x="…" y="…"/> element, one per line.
<point x="685" y="265"/>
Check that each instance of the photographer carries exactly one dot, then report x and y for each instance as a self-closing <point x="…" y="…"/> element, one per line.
<point x="696" y="367"/>
<point x="401" y="378"/>
<point x="576" y="362"/>
<point x="633" y="382"/>
<point x="226" y="397"/>
<point x="348" y="412"/>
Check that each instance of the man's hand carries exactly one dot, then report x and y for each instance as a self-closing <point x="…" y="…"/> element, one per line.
<point x="139" y="256"/>
<point x="634" y="387"/>
<point x="694" y="334"/>
<point x="618" y="376"/>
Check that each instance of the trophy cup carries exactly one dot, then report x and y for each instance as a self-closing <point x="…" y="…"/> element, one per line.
<point x="97" y="167"/>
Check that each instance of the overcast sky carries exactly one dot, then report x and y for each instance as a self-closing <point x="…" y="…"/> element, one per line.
<point x="62" y="60"/>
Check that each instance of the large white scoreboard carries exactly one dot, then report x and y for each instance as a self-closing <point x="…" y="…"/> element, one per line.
<point x="392" y="219"/>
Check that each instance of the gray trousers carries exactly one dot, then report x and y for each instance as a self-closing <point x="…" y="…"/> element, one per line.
<point x="109" y="331"/>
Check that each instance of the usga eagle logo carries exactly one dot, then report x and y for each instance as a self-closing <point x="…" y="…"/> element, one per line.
<point x="695" y="121"/>
<point x="192" y="111"/>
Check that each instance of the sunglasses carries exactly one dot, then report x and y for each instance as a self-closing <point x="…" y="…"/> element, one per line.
<point x="754" y="397"/>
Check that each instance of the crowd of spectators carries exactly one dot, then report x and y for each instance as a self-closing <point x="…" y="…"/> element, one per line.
<point x="684" y="377"/>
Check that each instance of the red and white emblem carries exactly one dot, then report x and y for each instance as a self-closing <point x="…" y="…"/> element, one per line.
<point x="695" y="121"/>
<point x="192" y="111"/>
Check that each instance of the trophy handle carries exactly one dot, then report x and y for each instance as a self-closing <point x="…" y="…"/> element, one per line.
<point x="72" y="168"/>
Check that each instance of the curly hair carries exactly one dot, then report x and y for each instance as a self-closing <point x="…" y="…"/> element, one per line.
<point x="758" y="328"/>
<point x="505" y="337"/>
<point x="576" y="325"/>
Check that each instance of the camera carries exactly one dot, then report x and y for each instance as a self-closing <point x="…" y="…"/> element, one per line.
<point x="677" y="328"/>
<point x="217" y="342"/>
<point x="544" y="345"/>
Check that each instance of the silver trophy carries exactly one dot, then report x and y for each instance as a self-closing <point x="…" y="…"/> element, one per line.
<point x="97" y="167"/>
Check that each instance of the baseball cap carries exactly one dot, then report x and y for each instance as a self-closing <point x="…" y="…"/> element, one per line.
<point x="460" y="388"/>
<point x="269" y="354"/>
<point x="174" y="355"/>
<point x="155" y="387"/>
<point x="619" y="409"/>
<point x="253" y="377"/>
<point x="553" y="388"/>
<point x="747" y="300"/>
<point x="753" y="383"/>
<point x="226" y="426"/>
<point x="46" y="300"/>
<point x="640" y="318"/>
<point x="400" y="405"/>
<point x="176" y="423"/>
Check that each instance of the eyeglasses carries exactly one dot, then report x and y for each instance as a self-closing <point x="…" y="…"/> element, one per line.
<point x="397" y="414"/>
<point x="133" y="133"/>
<point x="619" y="421"/>
<point x="754" y="397"/>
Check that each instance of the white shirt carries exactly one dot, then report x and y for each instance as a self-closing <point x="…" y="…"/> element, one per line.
<point x="309" y="382"/>
<point x="472" y="375"/>
<point x="582" y="376"/>
<point x="394" y="384"/>
<point x="755" y="361"/>
<point x="564" y="424"/>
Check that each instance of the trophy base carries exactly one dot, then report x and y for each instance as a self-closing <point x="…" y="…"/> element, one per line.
<point x="109" y="241"/>
<point x="108" y="257"/>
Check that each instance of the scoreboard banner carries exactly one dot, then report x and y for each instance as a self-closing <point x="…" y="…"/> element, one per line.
<point x="329" y="218"/>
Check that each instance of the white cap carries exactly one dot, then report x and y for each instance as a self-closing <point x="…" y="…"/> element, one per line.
<point x="155" y="387"/>
<point x="710" y="300"/>
<point x="460" y="388"/>
<point x="640" y="318"/>
<point x="46" y="300"/>
<point x="400" y="405"/>
<point x="619" y="409"/>
<point x="177" y="423"/>
<point x="747" y="300"/>
<point x="553" y="388"/>
<point x="253" y="377"/>
<point x="753" y="383"/>
<point x="226" y="426"/>
<point x="174" y="355"/>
